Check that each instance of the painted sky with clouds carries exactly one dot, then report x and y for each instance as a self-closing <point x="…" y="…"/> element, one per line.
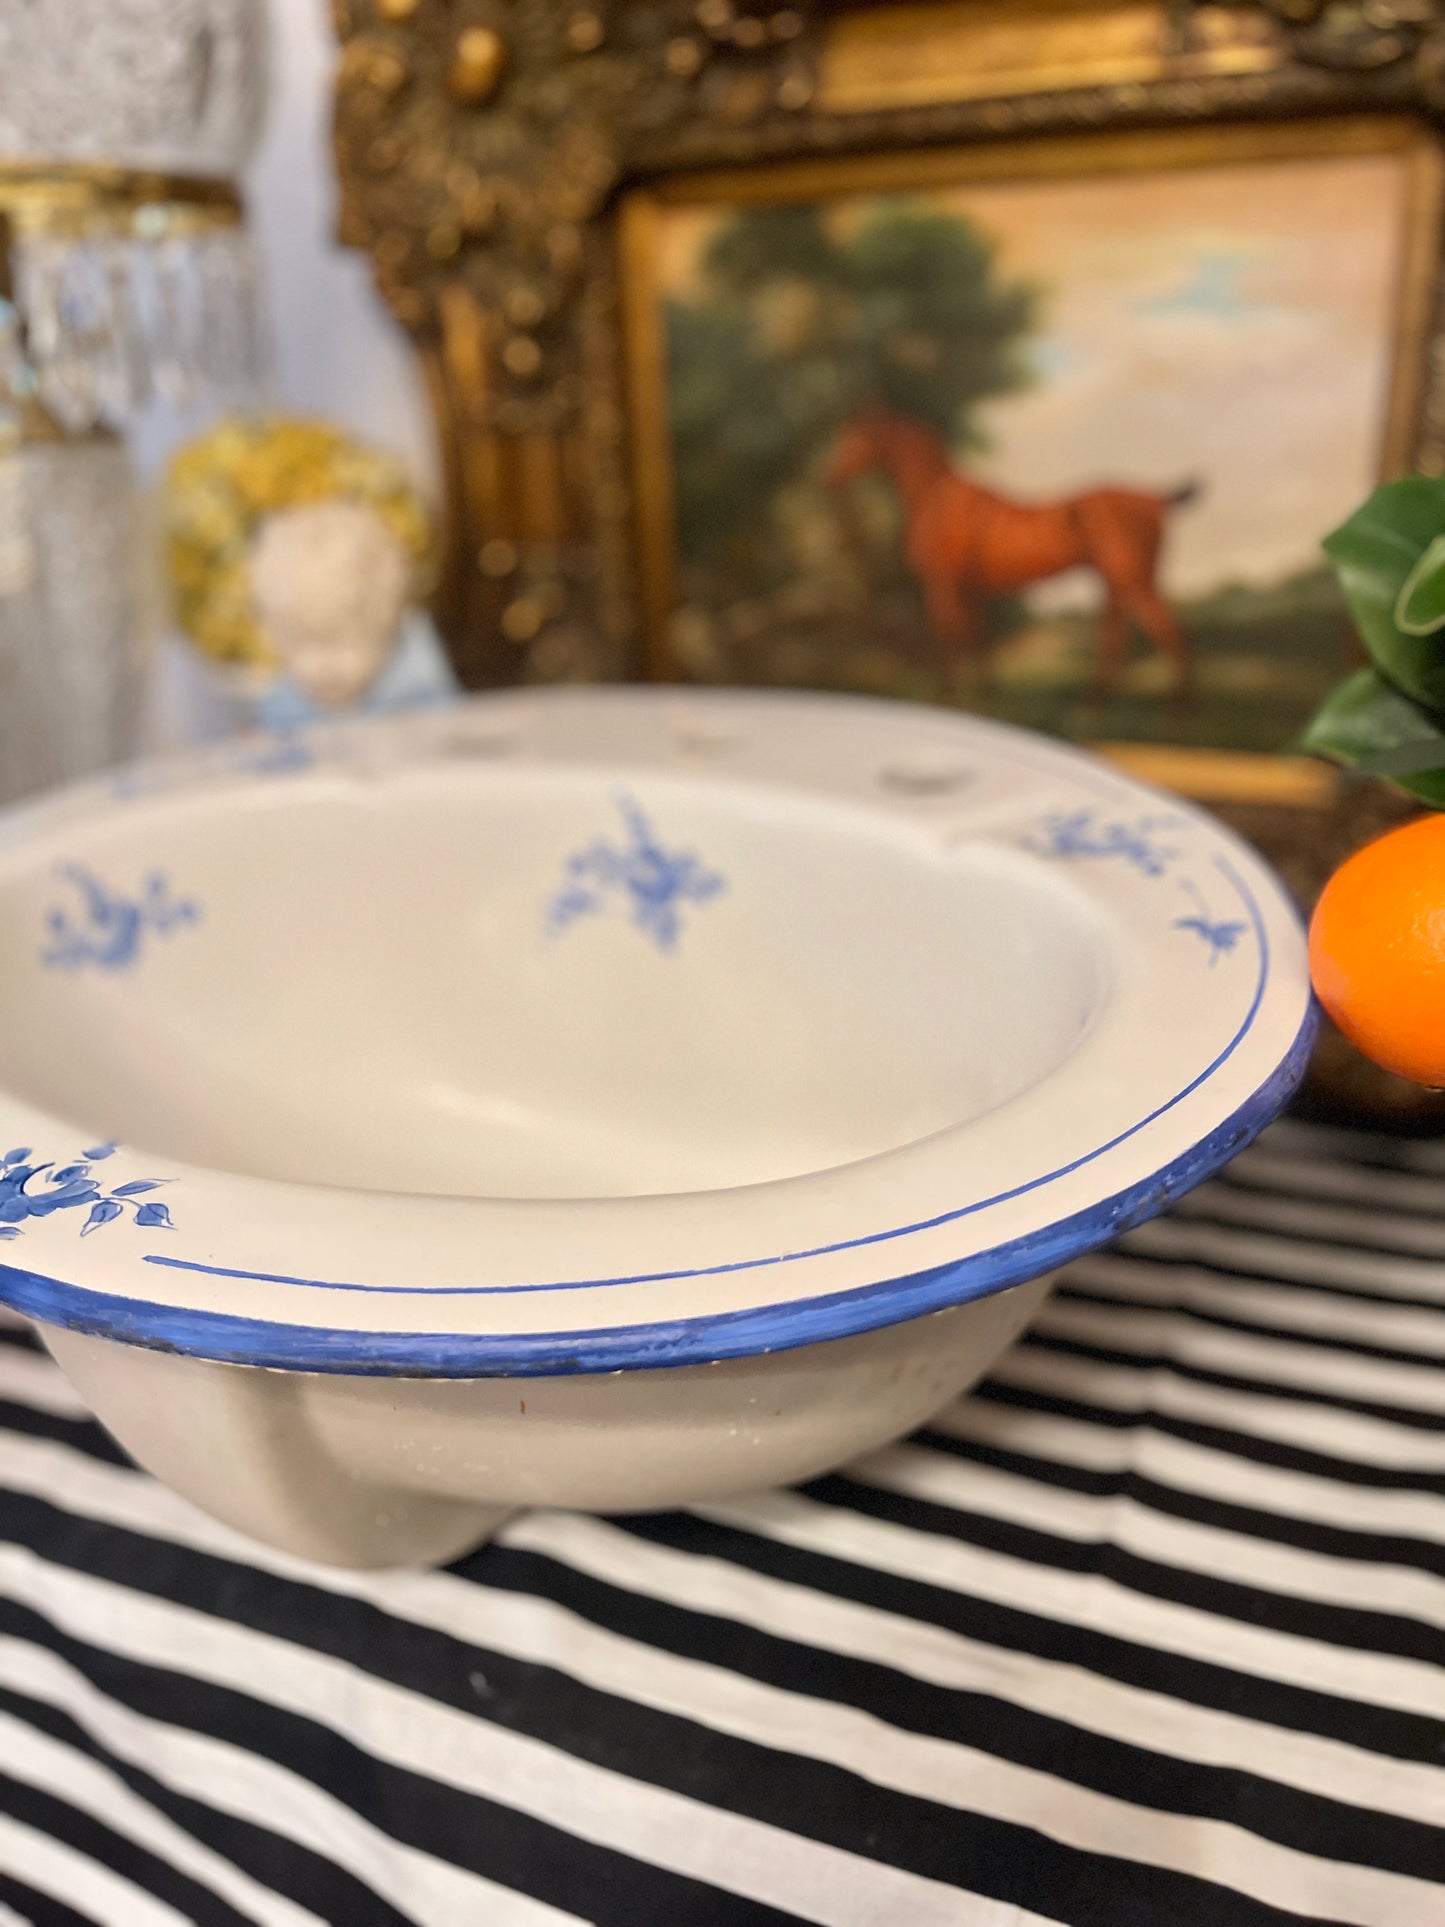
<point x="1231" y="323"/>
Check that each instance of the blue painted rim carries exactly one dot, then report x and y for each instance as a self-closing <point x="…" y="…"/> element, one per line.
<point x="685" y="1341"/>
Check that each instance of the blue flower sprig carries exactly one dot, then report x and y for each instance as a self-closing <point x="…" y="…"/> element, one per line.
<point x="650" y="881"/>
<point x="1081" y="833"/>
<point x="1075" y="834"/>
<point x="39" y="1190"/>
<point x="1219" y="934"/>
<point x="110" y="932"/>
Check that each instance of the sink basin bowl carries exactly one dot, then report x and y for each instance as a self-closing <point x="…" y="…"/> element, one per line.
<point x="610" y="1098"/>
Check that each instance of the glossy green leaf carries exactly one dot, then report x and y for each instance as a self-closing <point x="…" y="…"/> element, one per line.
<point x="1420" y="606"/>
<point x="1375" y="554"/>
<point x="1371" y="727"/>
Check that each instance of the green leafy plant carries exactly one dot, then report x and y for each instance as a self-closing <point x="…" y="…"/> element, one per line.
<point x="1389" y="719"/>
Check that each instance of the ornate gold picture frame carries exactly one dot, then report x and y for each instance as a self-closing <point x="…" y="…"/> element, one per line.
<point x="502" y="165"/>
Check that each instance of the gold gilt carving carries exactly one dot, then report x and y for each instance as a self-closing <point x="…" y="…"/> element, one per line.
<point x="478" y="143"/>
<point x="481" y="143"/>
<point x="1363" y="36"/>
<point x="479" y="57"/>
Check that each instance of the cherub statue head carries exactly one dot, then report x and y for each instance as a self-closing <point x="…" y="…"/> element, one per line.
<point x="294" y="551"/>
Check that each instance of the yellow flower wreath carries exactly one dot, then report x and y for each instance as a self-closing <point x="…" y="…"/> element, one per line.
<point x="222" y="486"/>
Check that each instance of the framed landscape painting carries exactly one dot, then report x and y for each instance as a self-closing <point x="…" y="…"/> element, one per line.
<point x="1048" y="429"/>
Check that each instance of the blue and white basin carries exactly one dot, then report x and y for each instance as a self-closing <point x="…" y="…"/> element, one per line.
<point x="605" y="1098"/>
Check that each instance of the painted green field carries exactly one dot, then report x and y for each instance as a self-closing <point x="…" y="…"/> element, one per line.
<point x="1262" y="660"/>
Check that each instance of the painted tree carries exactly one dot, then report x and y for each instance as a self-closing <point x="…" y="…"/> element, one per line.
<point x="798" y="317"/>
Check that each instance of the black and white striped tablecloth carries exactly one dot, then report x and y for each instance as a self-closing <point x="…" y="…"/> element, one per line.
<point x="1146" y="1633"/>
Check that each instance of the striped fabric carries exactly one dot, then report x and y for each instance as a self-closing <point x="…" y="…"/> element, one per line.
<point x="1148" y="1631"/>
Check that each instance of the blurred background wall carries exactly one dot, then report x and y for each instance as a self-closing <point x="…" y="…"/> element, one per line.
<point x="338" y="352"/>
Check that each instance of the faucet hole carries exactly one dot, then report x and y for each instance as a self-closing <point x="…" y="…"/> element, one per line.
<point x="925" y="780"/>
<point x="477" y="745"/>
<point x="703" y="743"/>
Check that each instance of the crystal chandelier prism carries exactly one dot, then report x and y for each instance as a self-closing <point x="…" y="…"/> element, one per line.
<point x="125" y="270"/>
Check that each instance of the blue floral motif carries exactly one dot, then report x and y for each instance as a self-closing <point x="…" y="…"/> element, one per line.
<point x="1221" y="937"/>
<point x="285" y="750"/>
<point x="1080" y="833"/>
<point x="110" y="932"/>
<point x="1083" y="833"/>
<point x="650" y="881"/>
<point x="39" y="1190"/>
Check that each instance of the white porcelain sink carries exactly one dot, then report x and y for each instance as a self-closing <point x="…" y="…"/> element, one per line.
<point x="610" y="1098"/>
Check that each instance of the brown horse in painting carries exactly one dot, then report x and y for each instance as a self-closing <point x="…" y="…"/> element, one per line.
<point x="965" y="543"/>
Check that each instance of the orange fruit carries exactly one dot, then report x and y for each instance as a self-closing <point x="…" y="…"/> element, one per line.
<point x="1377" y="950"/>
